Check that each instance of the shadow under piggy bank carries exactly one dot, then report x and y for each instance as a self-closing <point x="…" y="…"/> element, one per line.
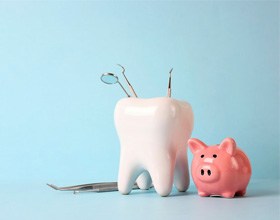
<point x="153" y="136"/>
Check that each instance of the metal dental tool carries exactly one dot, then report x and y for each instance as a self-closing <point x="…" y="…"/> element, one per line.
<point x="91" y="187"/>
<point x="129" y="85"/>
<point x="111" y="78"/>
<point x="169" y="84"/>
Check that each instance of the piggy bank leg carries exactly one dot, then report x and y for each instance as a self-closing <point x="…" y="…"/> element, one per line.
<point x="228" y="194"/>
<point x="144" y="181"/>
<point x="241" y="192"/>
<point x="203" y="194"/>
<point x="181" y="174"/>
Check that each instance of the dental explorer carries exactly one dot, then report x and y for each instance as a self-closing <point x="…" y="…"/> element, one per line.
<point x="169" y="84"/>
<point x="129" y="85"/>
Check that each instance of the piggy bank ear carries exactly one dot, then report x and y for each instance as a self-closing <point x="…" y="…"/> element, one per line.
<point x="228" y="145"/>
<point x="196" y="145"/>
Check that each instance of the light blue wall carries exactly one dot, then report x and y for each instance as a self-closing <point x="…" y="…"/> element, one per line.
<point x="56" y="117"/>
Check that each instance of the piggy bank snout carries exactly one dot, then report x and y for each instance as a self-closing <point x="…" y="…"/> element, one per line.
<point x="207" y="173"/>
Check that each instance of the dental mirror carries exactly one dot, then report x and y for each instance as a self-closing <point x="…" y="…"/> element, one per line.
<point x="111" y="78"/>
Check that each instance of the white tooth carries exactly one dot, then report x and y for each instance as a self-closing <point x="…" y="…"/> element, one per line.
<point x="144" y="181"/>
<point x="153" y="135"/>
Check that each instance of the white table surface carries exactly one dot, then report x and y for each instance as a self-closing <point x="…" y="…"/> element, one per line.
<point x="37" y="201"/>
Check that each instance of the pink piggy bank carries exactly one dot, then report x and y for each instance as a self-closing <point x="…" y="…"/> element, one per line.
<point x="220" y="170"/>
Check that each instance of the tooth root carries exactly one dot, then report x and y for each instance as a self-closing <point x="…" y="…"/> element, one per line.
<point x="128" y="173"/>
<point x="162" y="174"/>
<point x="181" y="175"/>
<point x="144" y="181"/>
<point x="161" y="171"/>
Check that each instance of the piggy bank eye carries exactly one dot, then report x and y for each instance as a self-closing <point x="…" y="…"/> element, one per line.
<point x="202" y="156"/>
<point x="215" y="155"/>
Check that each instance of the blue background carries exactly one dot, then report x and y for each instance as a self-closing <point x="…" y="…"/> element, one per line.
<point x="56" y="117"/>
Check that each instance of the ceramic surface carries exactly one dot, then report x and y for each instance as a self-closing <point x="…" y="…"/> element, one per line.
<point x="153" y="136"/>
<point x="222" y="170"/>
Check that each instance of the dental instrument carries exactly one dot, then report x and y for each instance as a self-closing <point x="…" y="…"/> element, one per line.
<point x="91" y="187"/>
<point x="169" y="84"/>
<point x="129" y="85"/>
<point x="111" y="78"/>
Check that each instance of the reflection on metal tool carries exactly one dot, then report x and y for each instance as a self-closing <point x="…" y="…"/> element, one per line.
<point x="129" y="85"/>
<point x="111" y="78"/>
<point x="91" y="187"/>
<point x="169" y="84"/>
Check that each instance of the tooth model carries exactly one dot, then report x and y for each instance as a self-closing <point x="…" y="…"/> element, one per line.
<point x="153" y="136"/>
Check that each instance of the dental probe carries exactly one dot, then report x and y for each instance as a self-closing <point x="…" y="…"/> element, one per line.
<point x="129" y="85"/>
<point x="169" y="84"/>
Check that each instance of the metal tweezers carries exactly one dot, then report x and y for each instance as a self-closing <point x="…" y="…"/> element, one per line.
<point x="91" y="187"/>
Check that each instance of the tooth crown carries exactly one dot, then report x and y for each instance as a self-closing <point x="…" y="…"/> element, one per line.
<point x="153" y="136"/>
